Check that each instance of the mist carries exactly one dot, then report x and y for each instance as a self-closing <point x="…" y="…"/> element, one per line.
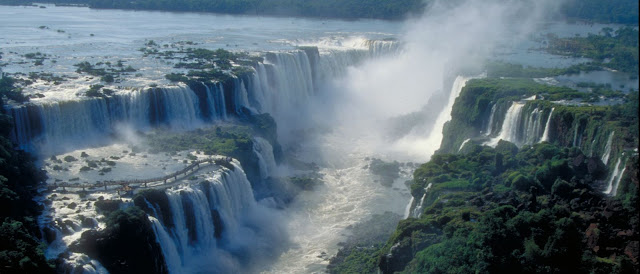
<point x="450" y="39"/>
<point x="357" y="116"/>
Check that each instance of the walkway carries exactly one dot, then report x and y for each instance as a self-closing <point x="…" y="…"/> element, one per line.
<point x="127" y="185"/>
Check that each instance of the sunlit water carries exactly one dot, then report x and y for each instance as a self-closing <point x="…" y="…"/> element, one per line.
<point x="317" y="221"/>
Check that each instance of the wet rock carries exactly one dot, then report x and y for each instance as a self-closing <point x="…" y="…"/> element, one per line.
<point x="88" y="222"/>
<point x="50" y="234"/>
<point x="72" y="205"/>
<point x="397" y="258"/>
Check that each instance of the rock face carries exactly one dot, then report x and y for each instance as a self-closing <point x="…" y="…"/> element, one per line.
<point x="397" y="258"/>
<point x="128" y="245"/>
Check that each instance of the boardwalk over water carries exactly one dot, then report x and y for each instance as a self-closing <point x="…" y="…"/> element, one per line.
<point x="128" y="185"/>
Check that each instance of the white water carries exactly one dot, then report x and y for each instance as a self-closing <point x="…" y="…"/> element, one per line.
<point x="407" y="210"/>
<point x="490" y="125"/>
<point x="463" y="143"/>
<point x="532" y="127"/>
<point x="509" y="129"/>
<point x="522" y="128"/>
<point x="421" y="147"/>
<point x="250" y="232"/>
<point x="281" y="86"/>
<point x="418" y="210"/>
<point x="349" y="195"/>
<point x="545" y="135"/>
<point x="616" y="177"/>
<point x="607" y="149"/>
<point x="319" y="220"/>
<point x="263" y="150"/>
<point x="576" y="136"/>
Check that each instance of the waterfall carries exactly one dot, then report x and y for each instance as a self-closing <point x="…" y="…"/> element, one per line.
<point x="575" y="135"/>
<point x="532" y="127"/>
<point x="215" y="101"/>
<point x="211" y="221"/>
<point x="463" y="143"/>
<point x="379" y="48"/>
<point x="545" y="135"/>
<point x="616" y="177"/>
<point x="521" y="127"/>
<point x="407" y="210"/>
<point x="509" y="130"/>
<point x="85" y="121"/>
<point x="490" y="124"/>
<point x="418" y="210"/>
<point x="171" y="255"/>
<point x="264" y="151"/>
<point x="607" y="149"/>
<point x="435" y="137"/>
<point x="280" y="85"/>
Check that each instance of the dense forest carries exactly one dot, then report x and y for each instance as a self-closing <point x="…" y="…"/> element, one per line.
<point x="613" y="49"/>
<point x="601" y="11"/>
<point x="506" y="209"/>
<point x="20" y="247"/>
<point x="534" y="208"/>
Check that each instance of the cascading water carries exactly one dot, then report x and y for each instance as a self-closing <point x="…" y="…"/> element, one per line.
<point x="284" y="81"/>
<point x="532" y="123"/>
<point x="264" y="151"/>
<point x="418" y="210"/>
<point x="522" y="127"/>
<point x="211" y="223"/>
<point x="490" y="124"/>
<point x="83" y="121"/>
<point x="607" y="149"/>
<point x="509" y="130"/>
<point x="615" y="178"/>
<point x="463" y="143"/>
<point x="545" y="135"/>
<point x="429" y="145"/>
<point x="407" y="210"/>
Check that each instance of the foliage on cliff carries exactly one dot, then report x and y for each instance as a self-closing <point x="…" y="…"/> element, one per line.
<point x="609" y="11"/>
<point x="10" y="91"/>
<point x="504" y="210"/>
<point x="614" y="49"/>
<point x="127" y="245"/>
<point x="535" y="209"/>
<point x="20" y="249"/>
<point x="472" y="110"/>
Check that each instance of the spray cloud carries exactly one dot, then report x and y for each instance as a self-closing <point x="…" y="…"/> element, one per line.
<point x="449" y="39"/>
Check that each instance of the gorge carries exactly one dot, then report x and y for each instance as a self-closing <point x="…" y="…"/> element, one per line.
<point x="322" y="125"/>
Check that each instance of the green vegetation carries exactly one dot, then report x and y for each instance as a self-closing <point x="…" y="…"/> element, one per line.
<point x="47" y="77"/>
<point x="9" y="90"/>
<point x="473" y="108"/>
<point x="20" y="250"/>
<point x="500" y="69"/>
<point x="205" y="65"/>
<point x="331" y="8"/>
<point x="307" y="183"/>
<point x="106" y="71"/>
<point x="99" y="91"/>
<point x="610" y="11"/>
<point x="388" y="171"/>
<point x="535" y="209"/>
<point x="37" y="57"/>
<point x="127" y="244"/>
<point x="613" y="49"/>
<point x="497" y="210"/>
<point x="359" y="254"/>
<point x="229" y="140"/>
